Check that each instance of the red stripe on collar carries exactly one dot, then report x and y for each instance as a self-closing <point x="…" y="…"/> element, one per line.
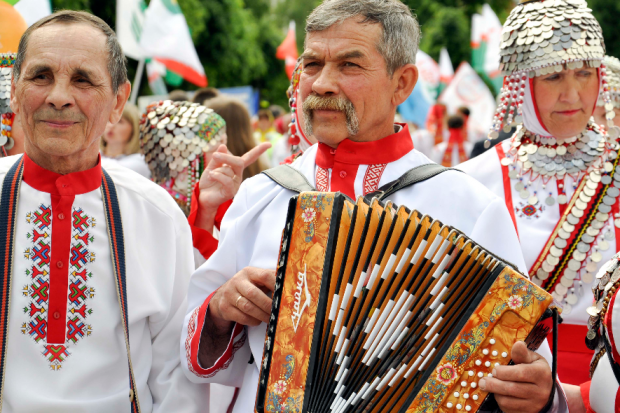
<point x="66" y="185"/>
<point x="382" y="151"/>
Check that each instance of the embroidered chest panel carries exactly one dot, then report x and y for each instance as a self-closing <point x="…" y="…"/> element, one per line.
<point x="36" y="290"/>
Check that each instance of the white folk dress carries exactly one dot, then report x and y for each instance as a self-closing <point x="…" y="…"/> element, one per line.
<point x="535" y="224"/>
<point x="66" y="348"/>
<point x="252" y="230"/>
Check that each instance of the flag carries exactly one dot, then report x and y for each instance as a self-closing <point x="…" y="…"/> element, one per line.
<point x="287" y="51"/>
<point x="32" y="10"/>
<point x="155" y="72"/>
<point x="446" y="71"/>
<point x="486" y="31"/>
<point x="468" y="89"/>
<point x="428" y="71"/>
<point x="166" y="38"/>
<point x="129" y="26"/>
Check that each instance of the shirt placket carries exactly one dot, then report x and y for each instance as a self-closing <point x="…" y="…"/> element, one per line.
<point x="62" y="203"/>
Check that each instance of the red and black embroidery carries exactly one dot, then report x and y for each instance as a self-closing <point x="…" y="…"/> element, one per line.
<point x="38" y="285"/>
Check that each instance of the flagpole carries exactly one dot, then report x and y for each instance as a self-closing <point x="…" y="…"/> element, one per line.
<point x="137" y="81"/>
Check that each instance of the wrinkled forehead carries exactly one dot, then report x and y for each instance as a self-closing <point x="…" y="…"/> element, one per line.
<point x="54" y="48"/>
<point x="342" y="39"/>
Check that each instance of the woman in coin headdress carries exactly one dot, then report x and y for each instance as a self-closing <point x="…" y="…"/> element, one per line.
<point x="177" y="140"/>
<point x="7" y="117"/>
<point x="558" y="171"/>
<point x="612" y="65"/>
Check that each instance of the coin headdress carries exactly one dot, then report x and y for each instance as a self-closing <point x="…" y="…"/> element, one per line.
<point x="540" y="38"/>
<point x="6" y="68"/>
<point x="175" y="138"/>
<point x="297" y="138"/>
<point x="612" y="65"/>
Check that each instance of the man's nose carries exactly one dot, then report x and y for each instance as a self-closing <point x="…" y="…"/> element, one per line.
<point x="59" y="96"/>
<point x="326" y="83"/>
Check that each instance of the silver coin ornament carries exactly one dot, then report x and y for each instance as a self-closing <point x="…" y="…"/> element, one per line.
<point x="174" y="137"/>
<point x="7" y="60"/>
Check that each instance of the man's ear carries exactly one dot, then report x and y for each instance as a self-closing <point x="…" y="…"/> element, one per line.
<point x="119" y="105"/>
<point x="13" y="101"/>
<point x="406" y="78"/>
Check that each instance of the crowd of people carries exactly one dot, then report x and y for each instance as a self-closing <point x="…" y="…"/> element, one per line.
<point x="140" y="249"/>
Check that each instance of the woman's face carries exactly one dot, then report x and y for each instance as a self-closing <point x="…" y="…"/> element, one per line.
<point x="119" y="133"/>
<point x="566" y="100"/>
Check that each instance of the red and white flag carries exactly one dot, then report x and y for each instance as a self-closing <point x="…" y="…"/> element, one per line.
<point x="287" y="51"/>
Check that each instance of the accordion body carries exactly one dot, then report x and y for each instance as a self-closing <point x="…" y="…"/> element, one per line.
<point x="377" y="308"/>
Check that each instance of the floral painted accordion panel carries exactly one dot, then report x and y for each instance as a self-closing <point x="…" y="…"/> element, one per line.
<point x="380" y="309"/>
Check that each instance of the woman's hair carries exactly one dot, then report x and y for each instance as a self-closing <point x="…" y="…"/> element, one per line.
<point x="132" y="114"/>
<point x="238" y="130"/>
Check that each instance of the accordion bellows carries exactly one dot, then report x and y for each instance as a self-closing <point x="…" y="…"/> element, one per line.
<point x="380" y="309"/>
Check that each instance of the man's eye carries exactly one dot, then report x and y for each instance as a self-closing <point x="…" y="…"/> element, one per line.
<point x="311" y="64"/>
<point x="351" y="64"/>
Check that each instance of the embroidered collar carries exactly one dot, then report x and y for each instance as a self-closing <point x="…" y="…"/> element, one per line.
<point x="382" y="151"/>
<point x="71" y="184"/>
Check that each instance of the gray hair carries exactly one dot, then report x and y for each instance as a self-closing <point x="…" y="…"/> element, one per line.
<point x="117" y="63"/>
<point x="401" y="31"/>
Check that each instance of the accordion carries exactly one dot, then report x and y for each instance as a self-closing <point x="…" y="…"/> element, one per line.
<point x="377" y="308"/>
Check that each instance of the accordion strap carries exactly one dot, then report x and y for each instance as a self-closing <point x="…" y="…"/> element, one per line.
<point x="290" y="178"/>
<point x="413" y="176"/>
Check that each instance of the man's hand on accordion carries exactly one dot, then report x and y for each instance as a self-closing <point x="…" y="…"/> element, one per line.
<point x="523" y="388"/>
<point x="244" y="299"/>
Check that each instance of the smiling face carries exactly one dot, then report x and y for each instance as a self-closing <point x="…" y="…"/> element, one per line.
<point x="64" y="96"/>
<point x="566" y="100"/>
<point x="342" y="68"/>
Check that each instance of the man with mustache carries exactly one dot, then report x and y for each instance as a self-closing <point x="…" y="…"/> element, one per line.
<point x="94" y="262"/>
<point x="358" y="66"/>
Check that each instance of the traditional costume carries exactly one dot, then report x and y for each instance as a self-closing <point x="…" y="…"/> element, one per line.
<point x="612" y="65"/>
<point x="561" y="196"/>
<point x="6" y="114"/>
<point x="95" y="267"/>
<point x="252" y="230"/>
<point x="602" y="394"/>
<point x="453" y="152"/>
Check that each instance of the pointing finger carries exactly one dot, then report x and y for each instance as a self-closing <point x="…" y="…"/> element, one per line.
<point x="251" y="156"/>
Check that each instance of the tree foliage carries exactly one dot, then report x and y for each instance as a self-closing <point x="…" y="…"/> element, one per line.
<point x="236" y="39"/>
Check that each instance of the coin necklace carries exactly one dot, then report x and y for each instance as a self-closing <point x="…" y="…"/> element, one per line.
<point x="533" y="157"/>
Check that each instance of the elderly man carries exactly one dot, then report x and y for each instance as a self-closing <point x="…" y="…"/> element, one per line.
<point x="358" y="66"/>
<point x="95" y="297"/>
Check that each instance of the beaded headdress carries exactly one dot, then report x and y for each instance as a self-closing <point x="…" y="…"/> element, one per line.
<point x="297" y="138"/>
<point x="6" y="68"/>
<point x="543" y="37"/>
<point x="612" y="65"/>
<point x="174" y="138"/>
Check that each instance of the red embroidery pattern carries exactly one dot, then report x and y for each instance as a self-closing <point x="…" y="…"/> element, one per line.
<point x="191" y="331"/>
<point x="38" y="286"/>
<point x="322" y="179"/>
<point x="373" y="177"/>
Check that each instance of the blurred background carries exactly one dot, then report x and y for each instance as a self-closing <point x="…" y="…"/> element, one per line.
<point x="247" y="48"/>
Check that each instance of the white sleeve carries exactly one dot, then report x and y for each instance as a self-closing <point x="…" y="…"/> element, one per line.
<point x="170" y="389"/>
<point x="495" y="232"/>
<point x="229" y="369"/>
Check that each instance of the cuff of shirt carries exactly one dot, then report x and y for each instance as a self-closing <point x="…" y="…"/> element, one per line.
<point x="585" y="395"/>
<point x="203" y="240"/>
<point x="196" y="325"/>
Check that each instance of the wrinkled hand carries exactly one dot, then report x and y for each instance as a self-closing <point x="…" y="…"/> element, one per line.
<point x="220" y="181"/>
<point x="524" y="387"/>
<point x="244" y="299"/>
